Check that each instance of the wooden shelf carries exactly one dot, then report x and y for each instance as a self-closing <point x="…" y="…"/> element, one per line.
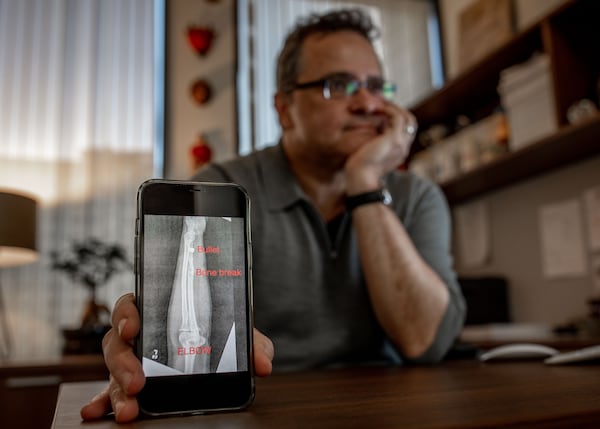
<point x="474" y="91"/>
<point x="568" y="36"/>
<point x="571" y="144"/>
<point x="464" y="94"/>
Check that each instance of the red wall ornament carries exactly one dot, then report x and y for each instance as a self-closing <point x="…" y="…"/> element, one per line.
<point x="200" y="152"/>
<point x="200" y="39"/>
<point x="201" y="91"/>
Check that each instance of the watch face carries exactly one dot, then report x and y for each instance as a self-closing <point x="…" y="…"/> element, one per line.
<point x="387" y="198"/>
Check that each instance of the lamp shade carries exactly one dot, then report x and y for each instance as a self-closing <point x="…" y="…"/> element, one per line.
<point x="18" y="223"/>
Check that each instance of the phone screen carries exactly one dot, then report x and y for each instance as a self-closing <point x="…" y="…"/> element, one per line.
<point x="194" y="279"/>
<point x="194" y="297"/>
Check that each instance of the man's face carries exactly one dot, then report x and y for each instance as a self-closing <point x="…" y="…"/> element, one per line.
<point x="334" y="128"/>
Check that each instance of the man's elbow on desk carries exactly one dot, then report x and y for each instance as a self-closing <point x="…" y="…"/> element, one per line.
<point x="434" y="351"/>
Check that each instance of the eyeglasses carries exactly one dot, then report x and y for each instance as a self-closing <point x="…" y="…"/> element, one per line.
<point x="342" y="86"/>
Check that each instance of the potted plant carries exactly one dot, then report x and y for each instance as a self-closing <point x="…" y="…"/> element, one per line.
<point x="90" y="263"/>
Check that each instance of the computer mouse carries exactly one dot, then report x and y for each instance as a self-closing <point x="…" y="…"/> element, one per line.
<point x="518" y="351"/>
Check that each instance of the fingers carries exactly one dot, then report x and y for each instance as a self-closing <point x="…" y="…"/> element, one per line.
<point x="111" y="398"/>
<point x="365" y="167"/>
<point x="98" y="407"/>
<point x="120" y="359"/>
<point x="410" y="126"/>
<point x="119" y="356"/>
<point x="124" y="406"/>
<point x="263" y="354"/>
<point x="403" y="122"/>
<point x="127" y="381"/>
<point x="126" y="318"/>
<point x="126" y="373"/>
<point x="395" y="145"/>
<point x="122" y="363"/>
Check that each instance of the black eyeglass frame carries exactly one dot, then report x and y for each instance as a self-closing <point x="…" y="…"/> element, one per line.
<point x="381" y="86"/>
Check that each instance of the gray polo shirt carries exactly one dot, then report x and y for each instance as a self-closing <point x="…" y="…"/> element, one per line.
<point x="310" y="296"/>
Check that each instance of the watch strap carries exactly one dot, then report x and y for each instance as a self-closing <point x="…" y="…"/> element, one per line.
<point x="378" y="196"/>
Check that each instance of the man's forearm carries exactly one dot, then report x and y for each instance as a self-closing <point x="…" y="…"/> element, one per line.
<point x="408" y="297"/>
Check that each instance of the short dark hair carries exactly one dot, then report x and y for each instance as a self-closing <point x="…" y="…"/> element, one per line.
<point x="340" y="20"/>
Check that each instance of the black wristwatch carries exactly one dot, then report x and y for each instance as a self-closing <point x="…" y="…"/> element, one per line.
<point x="379" y="196"/>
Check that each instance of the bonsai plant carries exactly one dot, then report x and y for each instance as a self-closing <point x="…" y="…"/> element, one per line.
<point x="92" y="263"/>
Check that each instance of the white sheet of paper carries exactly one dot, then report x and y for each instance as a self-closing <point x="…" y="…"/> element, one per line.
<point x="561" y="234"/>
<point x="591" y="198"/>
<point x="473" y="234"/>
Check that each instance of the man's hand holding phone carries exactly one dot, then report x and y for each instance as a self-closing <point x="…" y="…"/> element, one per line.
<point x="126" y="375"/>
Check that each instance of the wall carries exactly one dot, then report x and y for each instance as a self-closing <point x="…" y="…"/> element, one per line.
<point x="185" y="119"/>
<point x="514" y="211"/>
<point x="516" y="250"/>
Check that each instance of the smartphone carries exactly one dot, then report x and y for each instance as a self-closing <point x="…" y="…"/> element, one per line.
<point x="194" y="296"/>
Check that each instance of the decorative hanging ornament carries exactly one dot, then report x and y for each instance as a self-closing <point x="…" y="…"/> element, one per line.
<point x="200" y="152"/>
<point x="200" y="38"/>
<point x="201" y="91"/>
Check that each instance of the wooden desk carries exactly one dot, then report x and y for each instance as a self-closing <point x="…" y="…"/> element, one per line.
<point x="28" y="390"/>
<point x="459" y="394"/>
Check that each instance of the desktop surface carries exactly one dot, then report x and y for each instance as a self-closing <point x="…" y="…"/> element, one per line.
<point x="456" y="394"/>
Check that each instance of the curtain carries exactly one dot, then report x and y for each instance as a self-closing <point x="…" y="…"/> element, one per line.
<point x="77" y="131"/>
<point x="407" y="47"/>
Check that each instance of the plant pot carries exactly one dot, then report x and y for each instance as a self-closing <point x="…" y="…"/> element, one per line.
<point x="85" y="340"/>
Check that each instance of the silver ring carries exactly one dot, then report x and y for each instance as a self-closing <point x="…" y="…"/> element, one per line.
<point x="410" y="129"/>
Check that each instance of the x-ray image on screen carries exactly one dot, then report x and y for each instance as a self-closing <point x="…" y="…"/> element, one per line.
<point x="194" y="303"/>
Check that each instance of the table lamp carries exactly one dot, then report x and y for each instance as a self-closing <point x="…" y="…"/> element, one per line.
<point x="18" y="221"/>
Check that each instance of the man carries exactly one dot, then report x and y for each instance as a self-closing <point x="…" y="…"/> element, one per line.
<point x="342" y="275"/>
